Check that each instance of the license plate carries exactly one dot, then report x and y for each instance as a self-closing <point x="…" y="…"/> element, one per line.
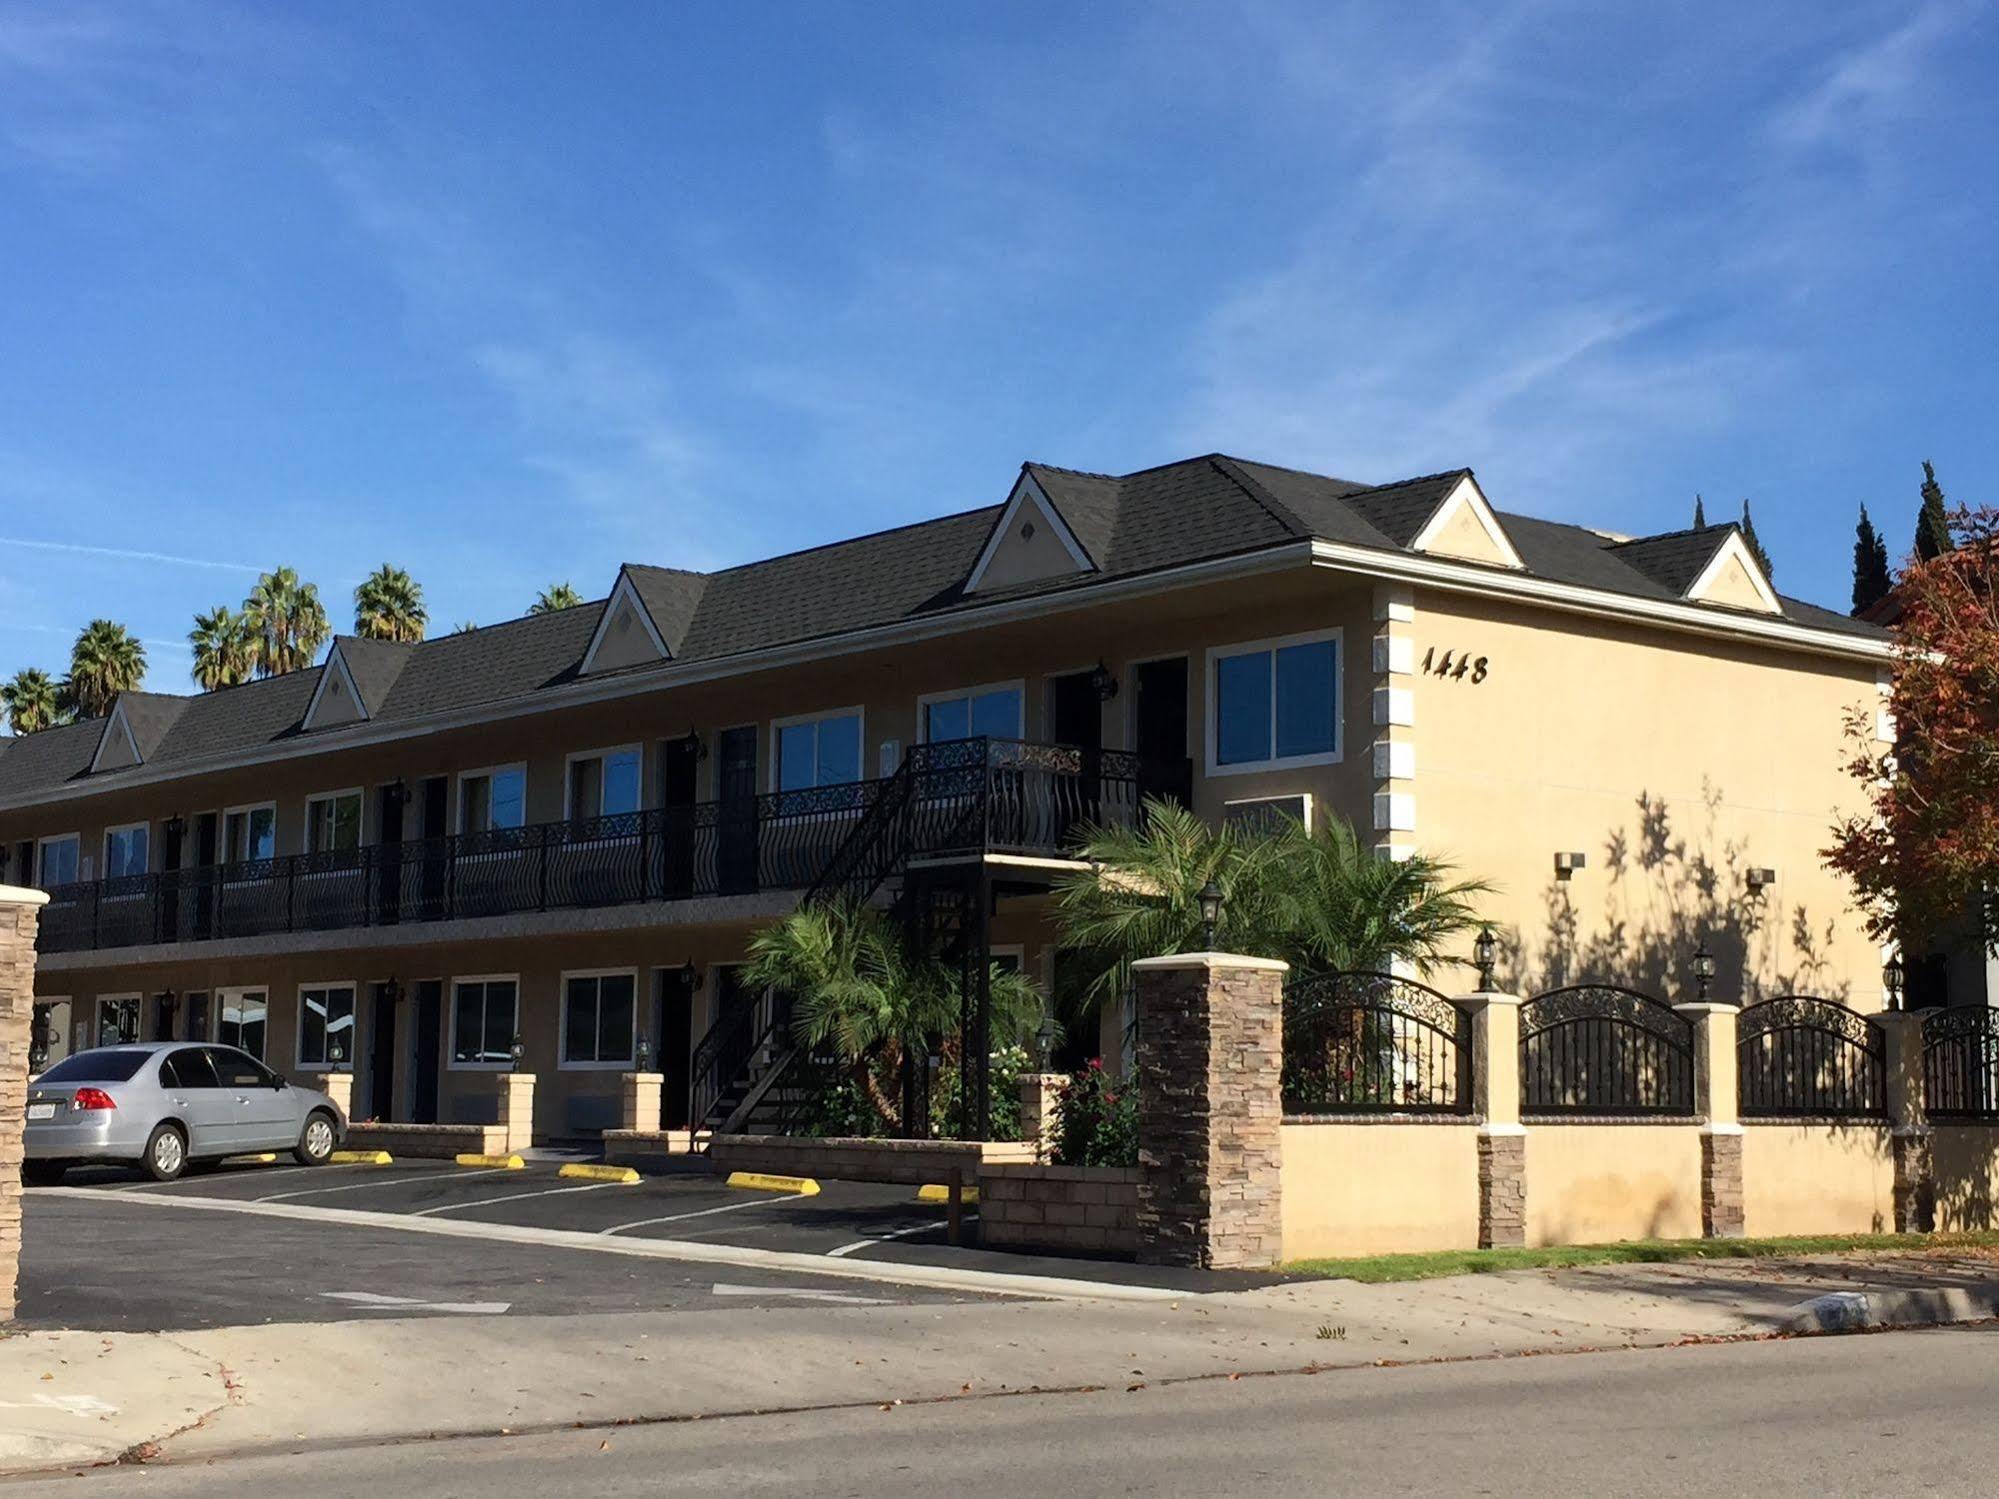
<point x="41" y="1111"/>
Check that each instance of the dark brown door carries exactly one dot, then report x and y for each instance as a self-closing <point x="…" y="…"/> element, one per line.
<point x="1076" y="717"/>
<point x="205" y="834"/>
<point x="679" y="768"/>
<point x="674" y="1026"/>
<point x="382" y="1053"/>
<point x="429" y="1050"/>
<point x="736" y="819"/>
<point x="1159" y="720"/>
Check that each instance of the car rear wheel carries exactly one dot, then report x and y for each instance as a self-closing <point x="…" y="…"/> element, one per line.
<point x="166" y="1154"/>
<point x="42" y="1173"/>
<point x="315" y="1141"/>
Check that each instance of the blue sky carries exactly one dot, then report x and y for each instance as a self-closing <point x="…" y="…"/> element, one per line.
<point x="507" y="293"/>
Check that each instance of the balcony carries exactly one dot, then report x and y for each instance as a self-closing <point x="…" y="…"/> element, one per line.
<point x="971" y="797"/>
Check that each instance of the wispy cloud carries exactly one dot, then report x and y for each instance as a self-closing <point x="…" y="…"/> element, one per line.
<point x="129" y="554"/>
<point x="1875" y="83"/>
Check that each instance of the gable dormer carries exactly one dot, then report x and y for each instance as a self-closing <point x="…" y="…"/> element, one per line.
<point x="354" y="681"/>
<point x="627" y="634"/>
<point x="1029" y="542"/>
<point x="1464" y="527"/>
<point x="138" y="721"/>
<point x="1710" y="566"/>
<point x="1734" y="579"/>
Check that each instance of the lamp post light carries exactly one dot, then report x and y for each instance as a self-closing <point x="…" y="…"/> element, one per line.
<point x="1485" y="953"/>
<point x="336" y="1053"/>
<point x="517" y="1051"/>
<point x="645" y="1054"/>
<point x="1212" y="900"/>
<point x="1044" y="1038"/>
<point x="1891" y="979"/>
<point x="1704" y="970"/>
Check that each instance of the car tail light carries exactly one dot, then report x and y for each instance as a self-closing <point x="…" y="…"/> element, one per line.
<point x="92" y="1098"/>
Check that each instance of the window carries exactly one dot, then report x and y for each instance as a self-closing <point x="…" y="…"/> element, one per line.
<point x="243" y="1020"/>
<point x="484" y="1021"/>
<point x="333" y="822"/>
<point x="604" y="784"/>
<point x="234" y="1070"/>
<point x="97" y="1067"/>
<point x="118" y="1020"/>
<point x="191" y="1068"/>
<point x="489" y="799"/>
<point x="56" y="861"/>
<point x="597" y="1019"/>
<point x="1274" y="703"/>
<point x="250" y="833"/>
<point x="325" y="1024"/>
<point x="125" y="851"/>
<point x="980" y="712"/>
<point x="822" y="751"/>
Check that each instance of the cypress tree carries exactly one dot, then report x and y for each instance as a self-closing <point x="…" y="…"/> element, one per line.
<point x="1755" y="547"/>
<point x="1933" y="523"/>
<point x="1700" y="515"/>
<point x="1871" y="581"/>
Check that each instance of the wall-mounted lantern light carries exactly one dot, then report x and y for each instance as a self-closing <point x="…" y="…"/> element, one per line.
<point x="1760" y="880"/>
<point x="1212" y="900"/>
<point x="1567" y="864"/>
<point x="644" y="1053"/>
<point x="1104" y="681"/>
<point x="1891" y="980"/>
<point x="1485" y="953"/>
<point x="1704" y="970"/>
<point x="517" y="1050"/>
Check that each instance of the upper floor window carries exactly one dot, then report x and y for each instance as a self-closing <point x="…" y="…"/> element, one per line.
<point x="56" y="861"/>
<point x="489" y="799"/>
<point x="1274" y="703"/>
<point x="125" y="851"/>
<point x="333" y="822"/>
<point x="250" y="833"/>
<point x="820" y="751"/>
<point x="605" y="783"/>
<point x="995" y="712"/>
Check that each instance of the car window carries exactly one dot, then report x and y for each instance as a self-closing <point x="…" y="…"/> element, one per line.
<point x="191" y="1068"/>
<point x="107" y="1064"/>
<point x="238" y="1070"/>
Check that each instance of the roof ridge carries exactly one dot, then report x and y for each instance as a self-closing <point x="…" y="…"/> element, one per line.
<point x="1232" y="470"/>
<point x="678" y="572"/>
<point x="1442" y="473"/>
<point x="1085" y="473"/>
<point x="1720" y="525"/>
<point x="827" y="546"/>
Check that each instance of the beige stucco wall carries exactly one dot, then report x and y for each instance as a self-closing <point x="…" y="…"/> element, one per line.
<point x="1835" y="1178"/>
<point x="1598" y="1183"/>
<point x="1353" y="1189"/>
<point x="1966" y="1161"/>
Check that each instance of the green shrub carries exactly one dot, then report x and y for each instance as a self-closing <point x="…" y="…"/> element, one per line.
<point x="1096" y="1120"/>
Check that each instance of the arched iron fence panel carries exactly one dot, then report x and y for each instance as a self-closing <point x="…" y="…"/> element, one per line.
<point x="1373" y="1042"/>
<point x="1961" y="1062"/>
<point x="1599" y="1049"/>
<point x="1799" y="1056"/>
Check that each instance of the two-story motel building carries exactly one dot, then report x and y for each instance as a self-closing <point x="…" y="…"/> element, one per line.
<point x="565" y="828"/>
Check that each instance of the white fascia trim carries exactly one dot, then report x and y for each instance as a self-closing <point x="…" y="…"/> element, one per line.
<point x="1467" y="494"/>
<point x="116" y="723"/>
<point x="625" y="589"/>
<point x="1734" y="546"/>
<point x="1698" y="619"/>
<point x="1023" y="488"/>
<point x="334" y="662"/>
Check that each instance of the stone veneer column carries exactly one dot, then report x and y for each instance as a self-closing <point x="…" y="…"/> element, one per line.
<point x="1502" y="1139"/>
<point x="20" y="911"/>
<point x="1039" y="1093"/>
<point x="516" y="1115"/>
<point x="1715" y="1100"/>
<point x="1909" y="1121"/>
<point x="641" y="1098"/>
<point x="1394" y="712"/>
<point x="1210" y="1110"/>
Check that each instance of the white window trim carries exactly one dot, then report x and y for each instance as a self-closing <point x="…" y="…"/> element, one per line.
<point x="128" y="827"/>
<point x="360" y="796"/>
<point x="1211" y="725"/>
<point x="97" y="1018"/>
<point x="858" y="712"/>
<point x="298" y="1023"/>
<point x="43" y="843"/>
<point x="451" y="1062"/>
<point x="219" y="998"/>
<point x="222" y="830"/>
<point x="568" y="780"/>
<point x="925" y="699"/>
<point x="629" y="1062"/>
<point x="458" y="791"/>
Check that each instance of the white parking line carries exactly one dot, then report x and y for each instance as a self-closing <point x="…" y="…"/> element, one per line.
<point x="728" y="1207"/>
<point x="486" y="1202"/>
<point x="894" y="1233"/>
<point x="451" y="1173"/>
<point x="192" y="1177"/>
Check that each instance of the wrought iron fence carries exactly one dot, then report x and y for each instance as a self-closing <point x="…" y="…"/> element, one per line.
<point x="1373" y="1042"/>
<point x="1599" y="1049"/>
<point x="1961" y="1062"/>
<point x="1803" y="1057"/>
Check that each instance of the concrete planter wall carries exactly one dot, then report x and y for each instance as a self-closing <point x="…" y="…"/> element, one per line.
<point x="1067" y="1209"/>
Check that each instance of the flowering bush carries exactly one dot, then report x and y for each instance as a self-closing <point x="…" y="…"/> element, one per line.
<point x="1096" y="1120"/>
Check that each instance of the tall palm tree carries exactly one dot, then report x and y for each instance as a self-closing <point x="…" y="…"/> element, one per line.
<point x="287" y="621"/>
<point x="33" y="701"/>
<point x="106" y="660"/>
<point x="224" y="649"/>
<point x="554" y="597"/>
<point x="1346" y="908"/>
<point x="388" y="605"/>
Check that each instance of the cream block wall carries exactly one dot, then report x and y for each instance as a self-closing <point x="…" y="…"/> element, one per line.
<point x="1355" y="1189"/>
<point x="1598" y="1183"/>
<point x="1818" y="1179"/>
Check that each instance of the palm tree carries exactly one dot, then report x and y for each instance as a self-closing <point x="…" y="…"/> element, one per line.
<point x="33" y="701"/>
<point x="287" y="622"/>
<point x="224" y="648"/>
<point x="106" y="660"/>
<point x="389" y="606"/>
<point x="554" y="597"/>
<point x="465" y="627"/>
<point x="1348" y="909"/>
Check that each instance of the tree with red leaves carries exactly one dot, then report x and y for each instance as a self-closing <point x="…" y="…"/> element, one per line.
<point x="1924" y="858"/>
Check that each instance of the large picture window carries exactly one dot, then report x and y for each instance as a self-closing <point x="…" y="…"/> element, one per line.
<point x="56" y="861"/>
<point x="598" y="1019"/>
<point x="126" y="851"/>
<point x="325" y="1024"/>
<point x="118" y="1020"/>
<point x="243" y="1020"/>
<point x="979" y="712"/>
<point x="1274" y="703"/>
<point x="485" y="1017"/>
<point x="822" y="751"/>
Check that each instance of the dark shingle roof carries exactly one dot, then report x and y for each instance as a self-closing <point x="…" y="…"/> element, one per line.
<point x="150" y="715"/>
<point x="374" y="665"/>
<point x="671" y="595"/>
<point x="1675" y="558"/>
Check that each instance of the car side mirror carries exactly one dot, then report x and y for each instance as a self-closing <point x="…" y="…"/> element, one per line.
<point x="280" y="1085"/>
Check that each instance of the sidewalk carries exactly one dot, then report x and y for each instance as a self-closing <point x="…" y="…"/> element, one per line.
<point x="204" y="1394"/>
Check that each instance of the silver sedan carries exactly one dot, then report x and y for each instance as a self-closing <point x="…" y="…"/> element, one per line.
<point x="167" y="1104"/>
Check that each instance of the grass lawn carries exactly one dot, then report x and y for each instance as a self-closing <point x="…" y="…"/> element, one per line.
<point x="1386" y="1267"/>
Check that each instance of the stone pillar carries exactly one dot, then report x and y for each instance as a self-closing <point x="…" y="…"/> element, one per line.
<point x="1039" y="1093"/>
<point x="1502" y="1139"/>
<point x="641" y="1092"/>
<point x="1908" y="1121"/>
<point x="516" y="1115"/>
<point x="339" y="1086"/>
<point x="20" y="911"/>
<point x="1715" y="1100"/>
<point x="1210" y="1110"/>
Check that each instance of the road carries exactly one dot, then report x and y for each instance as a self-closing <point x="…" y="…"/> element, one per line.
<point x="1901" y="1413"/>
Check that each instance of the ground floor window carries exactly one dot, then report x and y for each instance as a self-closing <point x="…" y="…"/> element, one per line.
<point x="118" y="1020"/>
<point x="598" y="1018"/>
<point x="485" y="1017"/>
<point x="325" y="1025"/>
<point x="244" y="1018"/>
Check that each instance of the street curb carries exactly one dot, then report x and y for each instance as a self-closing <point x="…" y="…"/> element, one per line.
<point x="757" y="1181"/>
<point x="1857" y="1311"/>
<point x="939" y="1192"/>
<point x="623" y="1176"/>
<point x="361" y="1158"/>
<point x="493" y="1162"/>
